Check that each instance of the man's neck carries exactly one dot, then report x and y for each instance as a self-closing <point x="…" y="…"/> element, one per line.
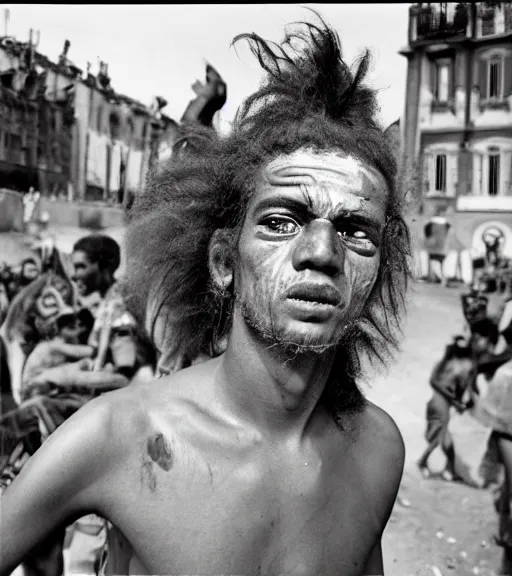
<point x="271" y="389"/>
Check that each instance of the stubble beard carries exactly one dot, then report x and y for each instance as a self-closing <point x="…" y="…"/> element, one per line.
<point x="293" y="345"/>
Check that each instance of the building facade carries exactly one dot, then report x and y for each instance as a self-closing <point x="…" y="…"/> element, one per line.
<point x="35" y="132"/>
<point x="456" y="130"/>
<point x="70" y="134"/>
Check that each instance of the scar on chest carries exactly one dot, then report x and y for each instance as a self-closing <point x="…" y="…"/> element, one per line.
<point x="159" y="450"/>
<point x="148" y="474"/>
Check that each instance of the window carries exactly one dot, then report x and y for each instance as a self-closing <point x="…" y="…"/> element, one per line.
<point x="495" y="79"/>
<point x="130" y="129"/>
<point x="442" y="81"/>
<point x="99" y="119"/>
<point x="15" y="148"/>
<point x="494" y="174"/>
<point x="115" y="126"/>
<point x="440" y="174"/>
<point x="487" y="19"/>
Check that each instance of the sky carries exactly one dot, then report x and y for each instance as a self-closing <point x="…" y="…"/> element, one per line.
<point x="162" y="50"/>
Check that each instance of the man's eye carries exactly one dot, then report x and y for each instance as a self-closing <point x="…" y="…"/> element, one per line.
<point x="280" y="225"/>
<point x="354" y="234"/>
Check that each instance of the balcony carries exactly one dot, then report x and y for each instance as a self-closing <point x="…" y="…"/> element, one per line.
<point x="432" y="23"/>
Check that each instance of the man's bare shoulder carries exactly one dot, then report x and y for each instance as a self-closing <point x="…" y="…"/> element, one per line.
<point x="189" y="383"/>
<point x="381" y="434"/>
<point x="380" y="451"/>
<point x="135" y="407"/>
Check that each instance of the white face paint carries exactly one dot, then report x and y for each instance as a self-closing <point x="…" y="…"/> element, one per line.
<point x="310" y="247"/>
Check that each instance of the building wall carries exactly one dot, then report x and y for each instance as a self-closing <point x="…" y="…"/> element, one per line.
<point x="121" y="136"/>
<point x="11" y="211"/>
<point x="82" y="215"/>
<point x="410" y="122"/>
<point x="106" y="151"/>
<point x="82" y="96"/>
<point x="468" y="129"/>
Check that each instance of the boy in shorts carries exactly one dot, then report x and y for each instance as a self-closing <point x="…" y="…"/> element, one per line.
<point x="453" y="380"/>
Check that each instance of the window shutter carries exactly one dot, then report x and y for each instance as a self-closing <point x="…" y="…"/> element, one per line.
<point x="452" y="159"/>
<point x="452" y="79"/>
<point x="479" y="167"/>
<point x="507" y="71"/>
<point x="507" y="9"/>
<point x="432" y="66"/>
<point x="507" y="165"/>
<point x="483" y="80"/>
<point x="469" y="174"/>
<point x="426" y="172"/>
<point x="500" y="78"/>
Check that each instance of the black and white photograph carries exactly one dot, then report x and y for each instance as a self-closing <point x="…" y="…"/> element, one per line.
<point x="256" y="289"/>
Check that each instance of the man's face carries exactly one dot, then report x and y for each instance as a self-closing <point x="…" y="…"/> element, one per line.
<point x="87" y="274"/>
<point x="70" y="332"/>
<point x="30" y="271"/>
<point x="310" y="248"/>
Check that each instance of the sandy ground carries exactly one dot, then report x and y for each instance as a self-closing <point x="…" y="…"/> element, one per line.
<point x="448" y="527"/>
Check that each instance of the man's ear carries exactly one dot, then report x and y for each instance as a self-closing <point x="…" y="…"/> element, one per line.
<point x="220" y="262"/>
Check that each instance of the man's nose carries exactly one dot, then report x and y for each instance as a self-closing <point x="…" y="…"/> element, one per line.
<point x="319" y="248"/>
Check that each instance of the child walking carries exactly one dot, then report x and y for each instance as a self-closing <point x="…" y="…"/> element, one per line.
<point x="453" y="381"/>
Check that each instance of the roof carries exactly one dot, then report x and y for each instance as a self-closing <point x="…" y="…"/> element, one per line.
<point x="67" y="68"/>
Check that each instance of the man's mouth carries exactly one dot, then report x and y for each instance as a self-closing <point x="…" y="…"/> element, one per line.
<point x="315" y="294"/>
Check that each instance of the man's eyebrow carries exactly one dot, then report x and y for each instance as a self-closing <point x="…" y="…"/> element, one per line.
<point x="297" y="205"/>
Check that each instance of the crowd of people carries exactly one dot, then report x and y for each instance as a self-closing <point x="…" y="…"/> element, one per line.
<point x="66" y="336"/>
<point x="475" y="375"/>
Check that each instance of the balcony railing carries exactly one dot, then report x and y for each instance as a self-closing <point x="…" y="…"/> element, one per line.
<point x="434" y="24"/>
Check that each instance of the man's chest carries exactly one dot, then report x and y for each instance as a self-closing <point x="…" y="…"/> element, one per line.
<point x="238" y="520"/>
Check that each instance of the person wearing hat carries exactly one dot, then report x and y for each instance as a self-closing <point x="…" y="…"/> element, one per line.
<point x="71" y="329"/>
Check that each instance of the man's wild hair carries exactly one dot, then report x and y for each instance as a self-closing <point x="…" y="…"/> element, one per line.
<point x="309" y="100"/>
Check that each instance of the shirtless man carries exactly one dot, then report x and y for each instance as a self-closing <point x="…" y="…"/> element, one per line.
<point x="265" y="459"/>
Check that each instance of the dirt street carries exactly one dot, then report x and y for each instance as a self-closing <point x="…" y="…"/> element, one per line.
<point x="448" y="527"/>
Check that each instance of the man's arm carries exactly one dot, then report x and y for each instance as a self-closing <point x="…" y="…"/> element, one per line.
<point x="77" y="375"/>
<point x="62" y="481"/>
<point x="73" y="351"/>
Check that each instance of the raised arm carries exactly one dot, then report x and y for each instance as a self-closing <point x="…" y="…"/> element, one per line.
<point x="62" y="481"/>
